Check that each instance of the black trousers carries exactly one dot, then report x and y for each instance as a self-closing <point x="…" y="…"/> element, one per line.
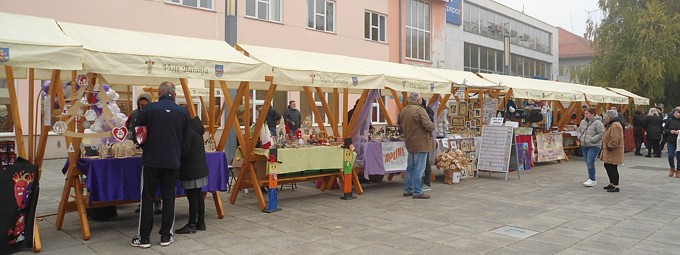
<point x="638" y="139"/>
<point x="427" y="175"/>
<point x="167" y="180"/>
<point x="612" y="173"/>
<point x="662" y="142"/>
<point x="654" y="147"/>
<point x="196" y="206"/>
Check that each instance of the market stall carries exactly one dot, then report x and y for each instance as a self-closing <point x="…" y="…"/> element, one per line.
<point x="26" y="44"/>
<point x="115" y="56"/>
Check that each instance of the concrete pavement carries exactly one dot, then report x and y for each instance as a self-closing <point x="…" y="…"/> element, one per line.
<point x="644" y="218"/>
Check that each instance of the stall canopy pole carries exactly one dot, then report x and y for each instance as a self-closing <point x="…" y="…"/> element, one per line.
<point x="187" y="96"/>
<point x="345" y="105"/>
<point x="45" y="128"/>
<point x="246" y="112"/>
<point x="360" y="105"/>
<point x="336" y="107"/>
<point x="231" y="118"/>
<point x="331" y="117"/>
<point x="442" y="104"/>
<point x="31" y="113"/>
<point x="315" y="111"/>
<point x="14" y="109"/>
<point x="395" y="96"/>
<point x="211" y="123"/>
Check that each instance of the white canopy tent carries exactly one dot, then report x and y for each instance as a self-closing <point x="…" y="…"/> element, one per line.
<point x="638" y="100"/>
<point x="536" y="89"/>
<point x="595" y="94"/>
<point x="139" y="58"/>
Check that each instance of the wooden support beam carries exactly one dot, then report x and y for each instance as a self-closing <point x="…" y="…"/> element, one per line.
<point x="345" y="106"/>
<point x="395" y="96"/>
<point x="404" y="98"/>
<point x="187" y="97"/>
<point x="211" y="114"/>
<point x="383" y="108"/>
<point x="442" y="104"/>
<point x="207" y="117"/>
<point x="360" y="105"/>
<point x="232" y="118"/>
<point x="31" y="113"/>
<point x="331" y="118"/>
<point x="336" y="107"/>
<point x="14" y="110"/>
<point x="262" y="117"/>
<point x="312" y="105"/>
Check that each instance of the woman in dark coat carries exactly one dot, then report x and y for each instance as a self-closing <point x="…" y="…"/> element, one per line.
<point x="638" y="128"/>
<point x="193" y="173"/>
<point x="654" y="129"/>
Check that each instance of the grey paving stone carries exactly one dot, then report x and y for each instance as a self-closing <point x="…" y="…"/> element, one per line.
<point x="530" y="245"/>
<point x="605" y="248"/>
<point x="555" y="239"/>
<point x="473" y="245"/>
<point x="657" y="247"/>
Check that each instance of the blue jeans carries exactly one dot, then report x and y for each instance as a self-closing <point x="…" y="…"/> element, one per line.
<point x="414" y="172"/>
<point x="272" y="130"/>
<point x="672" y="155"/>
<point x="590" y="154"/>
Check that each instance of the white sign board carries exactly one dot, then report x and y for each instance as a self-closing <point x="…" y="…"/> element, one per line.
<point x="394" y="156"/>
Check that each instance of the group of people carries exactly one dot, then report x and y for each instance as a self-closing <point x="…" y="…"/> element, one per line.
<point x="173" y="150"/>
<point x="605" y="138"/>
<point x="656" y="130"/>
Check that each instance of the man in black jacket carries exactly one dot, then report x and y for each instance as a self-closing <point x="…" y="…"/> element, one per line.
<point x="166" y="124"/>
<point x="292" y="117"/>
<point x="272" y="119"/>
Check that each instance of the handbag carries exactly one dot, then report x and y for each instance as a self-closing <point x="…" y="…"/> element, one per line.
<point x="140" y="134"/>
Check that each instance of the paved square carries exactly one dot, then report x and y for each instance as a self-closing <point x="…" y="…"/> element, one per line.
<point x="644" y="218"/>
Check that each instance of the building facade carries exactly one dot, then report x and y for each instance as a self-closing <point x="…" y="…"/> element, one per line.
<point x="476" y="32"/>
<point x="576" y="54"/>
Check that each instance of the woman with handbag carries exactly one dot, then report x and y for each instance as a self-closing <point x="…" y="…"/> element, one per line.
<point x="612" y="149"/>
<point x="591" y="131"/>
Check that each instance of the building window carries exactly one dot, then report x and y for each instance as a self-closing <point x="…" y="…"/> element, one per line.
<point x="375" y="26"/>
<point x="264" y="9"/>
<point x="306" y="110"/>
<point x="417" y="30"/>
<point x="6" y="122"/>
<point x="201" y="4"/>
<point x="377" y="115"/>
<point x="321" y="15"/>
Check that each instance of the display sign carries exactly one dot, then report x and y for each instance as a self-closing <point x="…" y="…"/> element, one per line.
<point x="496" y="121"/>
<point x="454" y="12"/>
<point x="549" y="147"/>
<point x="495" y="148"/>
<point x="19" y="197"/>
<point x="394" y="156"/>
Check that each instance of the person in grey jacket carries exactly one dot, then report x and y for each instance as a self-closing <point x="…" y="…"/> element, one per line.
<point x="591" y="131"/>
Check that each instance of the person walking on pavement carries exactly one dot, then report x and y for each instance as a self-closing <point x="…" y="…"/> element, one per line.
<point x="612" y="149"/>
<point x="591" y="131"/>
<point x="417" y="128"/>
<point x="166" y="126"/>
<point x="427" y="176"/>
<point x="142" y="101"/>
<point x="639" y="131"/>
<point x="193" y="173"/>
<point x="292" y="117"/>
<point x="672" y="129"/>
<point x="654" y="127"/>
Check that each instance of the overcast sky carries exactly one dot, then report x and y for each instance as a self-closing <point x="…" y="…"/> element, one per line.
<point x="570" y="15"/>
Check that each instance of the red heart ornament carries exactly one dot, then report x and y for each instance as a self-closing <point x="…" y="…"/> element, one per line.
<point x="119" y="133"/>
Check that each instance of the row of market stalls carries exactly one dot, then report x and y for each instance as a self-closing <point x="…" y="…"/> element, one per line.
<point x="33" y="48"/>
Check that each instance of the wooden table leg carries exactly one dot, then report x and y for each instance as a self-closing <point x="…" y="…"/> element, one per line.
<point x="256" y="185"/>
<point x="80" y="204"/>
<point x="357" y="184"/>
<point x="37" y="243"/>
<point x="390" y="176"/>
<point x="218" y="204"/>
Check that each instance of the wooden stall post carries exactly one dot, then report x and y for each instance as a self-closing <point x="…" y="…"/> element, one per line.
<point x="332" y="118"/>
<point x="14" y="110"/>
<point x="315" y="111"/>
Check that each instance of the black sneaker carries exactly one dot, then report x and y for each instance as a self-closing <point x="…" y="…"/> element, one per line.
<point x="166" y="240"/>
<point x="140" y="242"/>
<point x="609" y="187"/>
<point x="200" y="226"/>
<point x="187" y="229"/>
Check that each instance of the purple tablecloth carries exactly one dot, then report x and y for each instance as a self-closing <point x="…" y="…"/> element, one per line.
<point x="116" y="179"/>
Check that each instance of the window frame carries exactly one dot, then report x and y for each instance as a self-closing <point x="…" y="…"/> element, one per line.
<point x="198" y="3"/>
<point x="368" y="24"/>
<point x="378" y="112"/>
<point x="269" y="10"/>
<point x="325" y="15"/>
<point x="418" y="26"/>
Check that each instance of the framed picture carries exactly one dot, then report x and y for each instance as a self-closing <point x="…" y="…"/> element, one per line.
<point x="457" y="121"/>
<point x="472" y="124"/>
<point x="453" y="109"/>
<point x="467" y="124"/>
<point x="478" y="112"/>
<point x="478" y="122"/>
<point x="462" y="109"/>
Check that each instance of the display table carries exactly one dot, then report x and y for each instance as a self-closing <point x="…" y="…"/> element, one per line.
<point x="114" y="181"/>
<point x="295" y="165"/>
<point x="118" y="179"/>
